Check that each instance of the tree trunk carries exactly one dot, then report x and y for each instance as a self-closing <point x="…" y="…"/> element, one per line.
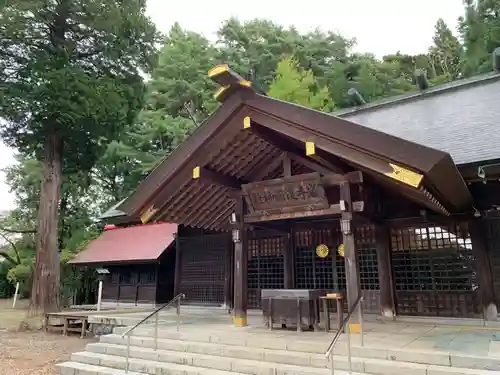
<point x="45" y="287"/>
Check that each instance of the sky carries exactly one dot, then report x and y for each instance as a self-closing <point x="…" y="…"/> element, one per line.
<point x="380" y="27"/>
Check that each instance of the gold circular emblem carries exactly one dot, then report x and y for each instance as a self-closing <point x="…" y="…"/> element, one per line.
<point x="322" y="251"/>
<point x="340" y="249"/>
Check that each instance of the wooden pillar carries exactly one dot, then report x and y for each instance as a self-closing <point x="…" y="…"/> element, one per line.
<point x="229" y="279"/>
<point x="157" y="284"/>
<point x="289" y="261"/>
<point x="386" y="281"/>
<point x="178" y="266"/>
<point x="350" y="253"/>
<point x="289" y="248"/>
<point x="483" y="269"/>
<point x="240" y="267"/>
<point x="118" y="285"/>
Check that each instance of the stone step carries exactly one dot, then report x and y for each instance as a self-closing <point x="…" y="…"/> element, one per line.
<point x="265" y="339"/>
<point x="203" y="365"/>
<point x="76" y="368"/>
<point x="283" y="363"/>
<point x="169" y="352"/>
<point x="252" y="344"/>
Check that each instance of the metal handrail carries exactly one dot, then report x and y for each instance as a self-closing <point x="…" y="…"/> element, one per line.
<point x="155" y="313"/>
<point x="329" y="351"/>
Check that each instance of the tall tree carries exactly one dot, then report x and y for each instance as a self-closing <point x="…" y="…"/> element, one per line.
<point x="479" y="30"/>
<point x="70" y="74"/>
<point x="179" y="96"/>
<point x="446" y="52"/>
<point x="180" y="77"/>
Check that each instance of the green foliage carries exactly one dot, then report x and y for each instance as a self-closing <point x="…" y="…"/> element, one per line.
<point x="480" y="32"/>
<point x="70" y="74"/>
<point x="299" y="86"/>
<point x="254" y="48"/>
<point x="6" y="287"/>
<point x="180" y="77"/>
<point x="71" y="68"/>
<point x="445" y="54"/>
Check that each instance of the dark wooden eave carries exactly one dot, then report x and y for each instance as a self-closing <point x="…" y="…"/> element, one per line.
<point x="228" y="155"/>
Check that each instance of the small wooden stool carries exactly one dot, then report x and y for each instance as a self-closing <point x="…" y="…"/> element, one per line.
<point x="340" y="309"/>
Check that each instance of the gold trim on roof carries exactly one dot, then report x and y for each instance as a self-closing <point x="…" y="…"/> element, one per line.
<point x="196" y="172"/>
<point x="220" y="91"/>
<point x="404" y="175"/>
<point x="247" y="122"/>
<point x="218" y="69"/>
<point x="148" y="214"/>
<point x="310" y="148"/>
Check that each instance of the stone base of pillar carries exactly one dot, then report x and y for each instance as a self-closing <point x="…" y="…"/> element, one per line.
<point x="491" y="312"/>
<point x="240" y="321"/>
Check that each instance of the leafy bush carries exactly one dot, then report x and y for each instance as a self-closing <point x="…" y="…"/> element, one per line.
<point x="6" y="288"/>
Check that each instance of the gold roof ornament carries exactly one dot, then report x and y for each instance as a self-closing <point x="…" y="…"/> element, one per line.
<point x="229" y="80"/>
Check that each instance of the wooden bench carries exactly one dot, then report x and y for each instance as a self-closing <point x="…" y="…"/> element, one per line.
<point x="340" y="309"/>
<point x="70" y="323"/>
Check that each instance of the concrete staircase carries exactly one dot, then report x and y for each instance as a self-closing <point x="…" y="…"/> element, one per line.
<point x="240" y="351"/>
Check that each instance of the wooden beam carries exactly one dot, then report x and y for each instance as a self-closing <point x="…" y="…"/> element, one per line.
<point x="314" y="153"/>
<point x="311" y="164"/>
<point x="266" y="168"/>
<point x="334" y="209"/>
<point x="216" y="178"/>
<point x="287" y="165"/>
<point x="334" y="179"/>
<point x="279" y="228"/>
<point x="273" y="138"/>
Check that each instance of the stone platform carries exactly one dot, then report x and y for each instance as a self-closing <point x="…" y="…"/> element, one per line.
<point x="207" y="343"/>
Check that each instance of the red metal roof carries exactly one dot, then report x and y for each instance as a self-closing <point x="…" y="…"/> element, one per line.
<point x="136" y="243"/>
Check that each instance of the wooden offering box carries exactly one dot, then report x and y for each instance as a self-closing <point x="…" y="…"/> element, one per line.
<point x="291" y="307"/>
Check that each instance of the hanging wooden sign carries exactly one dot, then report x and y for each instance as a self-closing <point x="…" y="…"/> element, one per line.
<point x="290" y="194"/>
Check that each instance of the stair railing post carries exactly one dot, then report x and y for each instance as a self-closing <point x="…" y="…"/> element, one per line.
<point x="178" y="314"/>
<point x="333" y="364"/>
<point x="156" y="330"/>
<point x="128" y="354"/>
<point x="349" y="347"/>
<point x="361" y="322"/>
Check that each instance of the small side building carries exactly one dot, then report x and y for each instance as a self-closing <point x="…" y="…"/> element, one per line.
<point x="140" y="260"/>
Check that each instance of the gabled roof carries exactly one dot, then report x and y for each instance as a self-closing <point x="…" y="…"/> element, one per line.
<point x="460" y="117"/>
<point x="222" y="145"/>
<point x="138" y="243"/>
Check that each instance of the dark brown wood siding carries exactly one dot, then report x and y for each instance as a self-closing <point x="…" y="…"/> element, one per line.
<point x="203" y="268"/>
<point x="492" y="233"/>
<point x="130" y="284"/>
<point x="433" y="268"/>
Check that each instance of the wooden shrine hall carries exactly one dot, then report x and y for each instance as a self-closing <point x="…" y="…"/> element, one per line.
<point x="272" y="195"/>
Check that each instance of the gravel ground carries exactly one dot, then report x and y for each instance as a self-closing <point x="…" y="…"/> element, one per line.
<point x="31" y="353"/>
<point x="35" y="353"/>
